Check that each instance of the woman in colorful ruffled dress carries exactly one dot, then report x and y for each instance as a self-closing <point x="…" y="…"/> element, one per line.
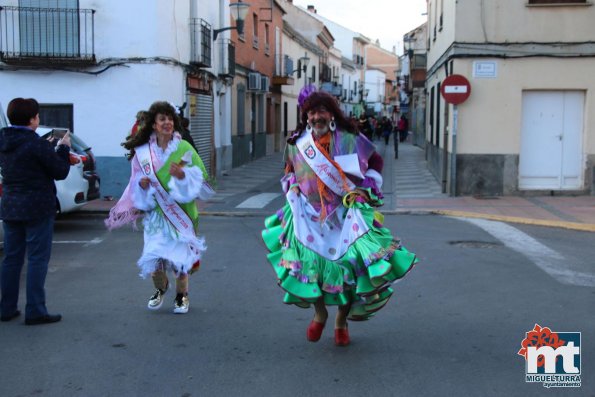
<point x="327" y="244"/>
<point x="167" y="177"/>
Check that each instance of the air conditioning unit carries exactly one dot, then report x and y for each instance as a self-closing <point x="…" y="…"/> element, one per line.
<point x="264" y="83"/>
<point x="254" y="83"/>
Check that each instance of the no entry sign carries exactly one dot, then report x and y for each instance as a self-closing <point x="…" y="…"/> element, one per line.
<point x="455" y="89"/>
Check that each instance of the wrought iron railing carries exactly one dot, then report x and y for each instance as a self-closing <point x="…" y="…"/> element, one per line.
<point x="47" y="35"/>
<point x="228" y="57"/>
<point x="200" y="42"/>
<point x="283" y="65"/>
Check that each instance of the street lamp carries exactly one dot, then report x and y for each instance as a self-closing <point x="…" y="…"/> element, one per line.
<point x="408" y="43"/>
<point x="239" y="11"/>
<point x="302" y="67"/>
<point x="304" y="62"/>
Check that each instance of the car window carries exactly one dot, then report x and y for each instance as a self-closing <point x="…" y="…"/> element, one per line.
<point x="78" y="142"/>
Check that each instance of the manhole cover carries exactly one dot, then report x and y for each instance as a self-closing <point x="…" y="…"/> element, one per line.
<point x="474" y="244"/>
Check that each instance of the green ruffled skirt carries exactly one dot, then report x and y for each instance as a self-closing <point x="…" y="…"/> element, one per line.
<point x="362" y="276"/>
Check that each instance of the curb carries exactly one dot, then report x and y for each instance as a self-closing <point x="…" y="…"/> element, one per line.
<point x="584" y="227"/>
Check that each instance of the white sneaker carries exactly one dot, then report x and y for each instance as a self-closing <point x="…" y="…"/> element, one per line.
<point x="156" y="300"/>
<point x="181" y="304"/>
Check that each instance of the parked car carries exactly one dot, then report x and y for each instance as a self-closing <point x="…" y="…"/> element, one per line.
<point x="82" y="183"/>
<point x="83" y="152"/>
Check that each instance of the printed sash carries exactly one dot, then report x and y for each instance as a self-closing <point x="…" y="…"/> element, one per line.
<point x="172" y="211"/>
<point x="324" y="169"/>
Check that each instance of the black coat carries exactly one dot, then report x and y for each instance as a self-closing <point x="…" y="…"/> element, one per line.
<point x="29" y="166"/>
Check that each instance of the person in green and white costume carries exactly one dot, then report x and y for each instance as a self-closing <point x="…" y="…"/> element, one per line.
<point x="328" y="245"/>
<point x="167" y="177"/>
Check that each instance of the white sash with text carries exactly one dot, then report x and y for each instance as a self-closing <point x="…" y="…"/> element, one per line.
<point x="172" y="211"/>
<point x="324" y="169"/>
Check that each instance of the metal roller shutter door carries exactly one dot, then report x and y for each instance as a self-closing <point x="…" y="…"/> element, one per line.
<point x="201" y="128"/>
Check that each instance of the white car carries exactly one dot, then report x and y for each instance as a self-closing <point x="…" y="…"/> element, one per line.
<point x="72" y="191"/>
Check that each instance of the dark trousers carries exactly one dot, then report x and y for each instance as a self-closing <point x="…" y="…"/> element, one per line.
<point x="34" y="237"/>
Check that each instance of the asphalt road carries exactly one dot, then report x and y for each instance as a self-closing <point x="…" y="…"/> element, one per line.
<point x="454" y="326"/>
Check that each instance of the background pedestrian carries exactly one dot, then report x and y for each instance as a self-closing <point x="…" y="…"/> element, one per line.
<point x="403" y="128"/>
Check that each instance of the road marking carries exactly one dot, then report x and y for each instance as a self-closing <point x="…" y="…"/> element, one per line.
<point x="545" y="258"/>
<point x="258" y="201"/>
<point x="96" y="240"/>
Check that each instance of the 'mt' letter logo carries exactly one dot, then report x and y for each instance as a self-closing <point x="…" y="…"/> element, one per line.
<point x="543" y="349"/>
<point x="549" y="358"/>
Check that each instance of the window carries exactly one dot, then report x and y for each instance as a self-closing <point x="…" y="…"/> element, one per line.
<point x="419" y="61"/>
<point x="441" y="14"/>
<point x="56" y="115"/>
<point x="556" y="1"/>
<point x="267" y="45"/>
<point x="200" y="39"/>
<point x="241" y="107"/>
<point x="49" y="27"/>
<point x="255" y="30"/>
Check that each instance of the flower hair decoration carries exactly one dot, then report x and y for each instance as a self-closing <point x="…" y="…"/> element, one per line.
<point x="305" y="93"/>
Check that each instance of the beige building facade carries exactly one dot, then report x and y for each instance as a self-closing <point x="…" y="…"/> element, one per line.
<point x="527" y="126"/>
<point x="389" y="63"/>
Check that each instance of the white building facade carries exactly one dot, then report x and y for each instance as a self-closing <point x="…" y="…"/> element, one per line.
<point x="92" y="65"/>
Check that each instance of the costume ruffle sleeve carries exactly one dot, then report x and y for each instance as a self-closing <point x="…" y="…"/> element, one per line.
<point x="192" y="186"/>
<point x="142" y="199"/>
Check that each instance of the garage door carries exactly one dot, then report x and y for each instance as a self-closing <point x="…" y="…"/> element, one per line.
<point x="201" y="128"/>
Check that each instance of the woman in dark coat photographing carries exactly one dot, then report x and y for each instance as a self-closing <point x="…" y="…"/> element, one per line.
<point x="29" y="166"/>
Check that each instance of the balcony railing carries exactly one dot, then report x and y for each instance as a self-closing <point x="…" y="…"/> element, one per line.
<point x="228" y="58"/>
<point x="283" y="70"/>
<point x="47" y="36"/>
<point x="200" y="42"/>
<point x="325" y="73"/>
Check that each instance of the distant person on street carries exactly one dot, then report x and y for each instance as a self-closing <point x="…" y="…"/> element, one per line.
<point x="186" y="132"/>
<point x="365" y="127"/>
<point x="167" y="177"/>
<point x="327" y="244"/>
<point x="30" y="165"/>
<point x="403" y="128"/>
<point x="387" y="129"/>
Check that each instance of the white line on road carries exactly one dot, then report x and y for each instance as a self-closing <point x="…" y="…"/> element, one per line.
<point x="86" y="242"/>
<point x="258" y="201"/>
<point x="545" y="258"/>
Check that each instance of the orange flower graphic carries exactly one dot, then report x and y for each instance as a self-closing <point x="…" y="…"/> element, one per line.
<point x="539" y="337"/>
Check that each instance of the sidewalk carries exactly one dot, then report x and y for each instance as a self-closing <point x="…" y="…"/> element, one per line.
<point x="411" y="189"/>
<point x="571" y="212"/>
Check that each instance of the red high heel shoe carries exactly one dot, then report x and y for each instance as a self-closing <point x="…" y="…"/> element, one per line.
<point x="314" y="331"/>
<point x="341" y="336"/>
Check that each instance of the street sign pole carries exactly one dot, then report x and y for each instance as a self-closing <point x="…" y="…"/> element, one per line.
<point x="455" y="89"/>
<point x="453" y="165"/>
